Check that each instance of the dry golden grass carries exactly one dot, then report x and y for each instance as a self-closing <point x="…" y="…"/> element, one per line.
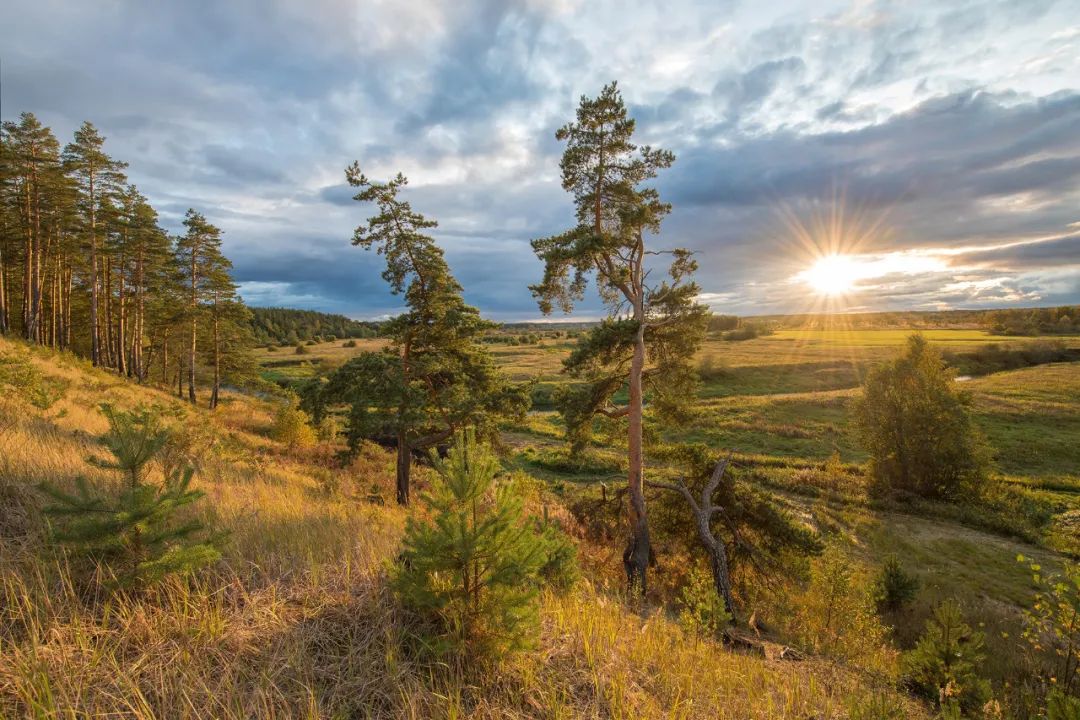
<point x="296" y="622"/>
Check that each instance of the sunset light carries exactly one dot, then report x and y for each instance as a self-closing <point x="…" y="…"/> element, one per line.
<point x="832" y="275"/>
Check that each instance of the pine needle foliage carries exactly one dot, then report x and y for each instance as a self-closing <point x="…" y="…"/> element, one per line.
<point x="138" y="533"/>
<point x="944" y="665"/>
<point x="474" y="568"/>
<point x="134" y="439"/>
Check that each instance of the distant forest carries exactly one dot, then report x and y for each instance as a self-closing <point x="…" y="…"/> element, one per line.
<point x="285" y="326"/>
<point x="1063" y="320"/>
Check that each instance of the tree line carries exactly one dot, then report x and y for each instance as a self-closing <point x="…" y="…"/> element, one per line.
<point x="287" y="326"/>
<point x="86" y="266"/>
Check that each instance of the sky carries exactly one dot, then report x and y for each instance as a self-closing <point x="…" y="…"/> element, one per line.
<point x="934" y="146"/>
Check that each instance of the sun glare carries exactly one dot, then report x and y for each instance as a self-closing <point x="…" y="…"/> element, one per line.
<point x="832" y="275"/>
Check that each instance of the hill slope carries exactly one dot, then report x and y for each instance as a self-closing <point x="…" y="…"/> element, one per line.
<point x="296" y="621"/>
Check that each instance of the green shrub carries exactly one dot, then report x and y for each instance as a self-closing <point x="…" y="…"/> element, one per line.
<point x="328" y="428"/>
<point x="944" y="665"/>
<point x="473" y="568"/>
<point x="878" y="706"/>
<point x="894" y="587"/>
<point x="349" y="344"/>
<point x="301" y="349"/>
<point x="560" y="569"/>
<point x="1060" y="706"/>
<point x="292" y="426"/>
<point x="837" y="615"/>
<point x="703" y="610"/>
<point x="20" y="378"/>
<point x="137" y="534"/>
<point x="1052" y="623"/>
<point x="914" y="422"/>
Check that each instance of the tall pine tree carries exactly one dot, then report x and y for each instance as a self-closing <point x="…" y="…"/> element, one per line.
<point x="653" y="329"/>
<point x="99" y="178"/>
<point x="201" y="262"/>
<point x="436" y="376"/>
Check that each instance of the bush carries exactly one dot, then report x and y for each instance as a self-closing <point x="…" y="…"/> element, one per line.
<point x="349" y="344"/>
<point x="894" y="587"/>
<point x="878" y="706"/>
<point x="703" y="609"/>
<point x="328" y="428"/>
<point x="474" y="568"/>
<point x="271" y="348"/>
<point x="1051" y="625"/>
<point x="292" y="426"/>
<point x="20" y="378"/>
<point x="914" y="422"/>
<point x="944" y="664"/>
<point x="301" y="349"/>
<point x="560" y="569"/>
<point x="137" y="533"/>
<point x="837" y="614"/>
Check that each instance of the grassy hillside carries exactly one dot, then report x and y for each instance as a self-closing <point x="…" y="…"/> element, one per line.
<point x="296" y="621"/>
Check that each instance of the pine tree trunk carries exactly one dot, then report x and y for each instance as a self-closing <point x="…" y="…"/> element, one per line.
<point x="3" y="295"/>
<point x="121" y="329"/>
<point x="636" y="554"/>
<point x="28" y="267"/>
<point x="165" y="357"/>
<point x="95" y="333"/>
<point x="193" y="308"/>
<point x="140" y="309"/>
<point x="108" y="318"/>
<point x="191" y="364"/>
<point x="404" y="467"/>
<point x="67" y="306"/>
<point x="217" y="365"/>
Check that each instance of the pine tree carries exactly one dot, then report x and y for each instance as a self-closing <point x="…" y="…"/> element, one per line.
<point x="98" y="178"/>
<point x="475" y="565"/>
<point x="137" y="533"/>
<point x="653" y="330"/>
<point x="436" y="376"/>
<point x="944" y="665"/>
<point x="201" y="262"/>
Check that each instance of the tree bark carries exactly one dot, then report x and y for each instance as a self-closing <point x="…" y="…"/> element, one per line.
<point x="703" y="512"/>
<point x="3" y="295"/>
<point x="636" y="554"/>
<point x="404" y="468"/>
<point x="217" y="365"/>
<point x="193" y="308"/>
<point x="95" y="334"/>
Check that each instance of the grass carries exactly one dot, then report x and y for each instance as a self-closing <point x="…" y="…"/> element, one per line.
<point x="297" y="621"/>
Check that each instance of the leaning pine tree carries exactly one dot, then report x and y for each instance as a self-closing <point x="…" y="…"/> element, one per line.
<point x="436" y="376"/>
<point x="653" y="329"/>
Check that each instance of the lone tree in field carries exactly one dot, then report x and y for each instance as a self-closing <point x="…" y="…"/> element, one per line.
<point x="914" y="422"/>
<point x="436" y="376"/>
<point x="653" y="329"/>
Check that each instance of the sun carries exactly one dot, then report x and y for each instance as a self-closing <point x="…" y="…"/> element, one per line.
<point x="832" y="275"/>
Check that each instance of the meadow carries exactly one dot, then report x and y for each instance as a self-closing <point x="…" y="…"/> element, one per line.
<point x="297" y="620"/>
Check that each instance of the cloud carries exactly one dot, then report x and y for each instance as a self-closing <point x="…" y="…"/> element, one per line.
<point x="939" y="126"/>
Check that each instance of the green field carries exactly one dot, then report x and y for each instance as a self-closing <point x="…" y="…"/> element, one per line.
<point x="782" y="404"/>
